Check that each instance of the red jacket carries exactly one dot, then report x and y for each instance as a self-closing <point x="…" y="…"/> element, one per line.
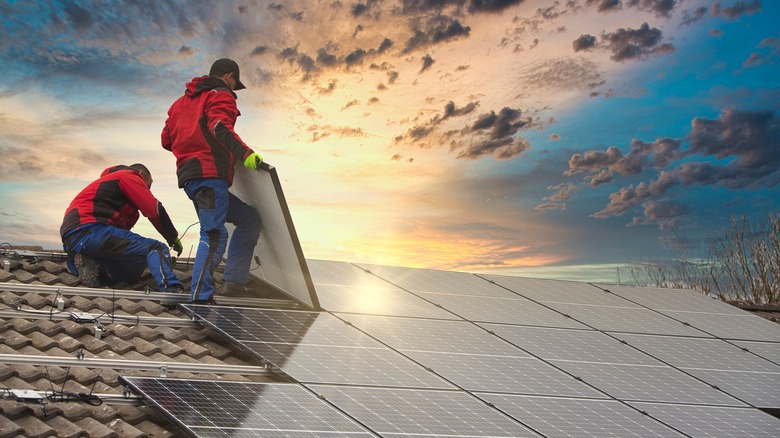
<point x="199" y="131"/>
<point x="115" y="199"/>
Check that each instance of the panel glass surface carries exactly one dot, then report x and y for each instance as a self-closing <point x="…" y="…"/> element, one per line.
<point x="514" y="310"/>
<point x="662" y="298"/>
<point x="759" y="389"/>
<point x="713" y="354"/>
<point x="767" y="350"/>
<point x="514" y="375"/>
<point x="571" y="345"/>
<point x="345" y="274"/>
<point x="624" y="319"/>
<point x="281" y="258"/>
<point x="220" y="408"/>
<point x="421" y="413"/>
<point x="433" y="335"/>
<point x="370" y="301"/>
<point x="427" y="280"/>
<point x="559" y="291"/>
<point x="659" y="383"/>
<point x="714" y="421"/>
<point x="731" y="326"/>
<point x="315" y="347"/>
<point x="579" y="417"/>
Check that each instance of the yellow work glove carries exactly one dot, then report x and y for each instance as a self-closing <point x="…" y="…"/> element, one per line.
<point x="177" y="246"/>
<point x="253" y="161"/>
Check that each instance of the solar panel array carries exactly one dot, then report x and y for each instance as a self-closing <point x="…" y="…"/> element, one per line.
<point x="410" y="352"/>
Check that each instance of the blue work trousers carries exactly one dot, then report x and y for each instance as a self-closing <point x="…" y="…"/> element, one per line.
<point x="122" y="254"/>
<point x="216" y="206"/>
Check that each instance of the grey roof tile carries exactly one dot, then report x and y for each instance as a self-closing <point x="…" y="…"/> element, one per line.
<point x="64" y="428"/>
<point x="35" y="428"/>
<point x="30" y="373"/>
<point x="13" y="410"/>
<point x="24" y="276"/>
<point x="124" y="429"/>
<point x="96" y="429"/>
<point x="48" y="278"/>
<point x="14" y="340"/>
<point x="43" y="342"/>
<point x="152" y="429"/>
<point x="74" y="329"/>
<point x="74" y="411"/>
<point x="168" y="348"/>
<point x="8" y="428"/>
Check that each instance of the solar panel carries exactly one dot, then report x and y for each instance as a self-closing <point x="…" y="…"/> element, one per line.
<point x="571" y="345"/>
<point x="515" y="310"/>
<point x="371" y="301"/>
<point x="767" y="350"/>
<point x="626" y="319"/>
<point x="579" y="417"/>
<point x="514" y="375"/>
<point x="282" y="263"/>
<point x="433" y="335"/>
<point x="229" y="409"/>
<point x="713" y="354"/>
<point x="421" y="413"/>
<point x="730" y="326"/>
<point x="714" y="421"/>
<point x="315" y="347"/>
<point x="327" y="272"/>
<point x="659" y="383"/>
<point x="663" y="298"/>
<point x="427" y="280"/>
<point x="759" y="389"/>
<point x="559" y="291"/>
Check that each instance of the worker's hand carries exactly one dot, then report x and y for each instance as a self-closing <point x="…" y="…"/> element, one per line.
<point x="253" y="161"/>
<point x="177" y="246"/>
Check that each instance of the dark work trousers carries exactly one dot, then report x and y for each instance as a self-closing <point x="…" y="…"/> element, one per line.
<point x="216" y="206"/>
<point x="122" y="254"/>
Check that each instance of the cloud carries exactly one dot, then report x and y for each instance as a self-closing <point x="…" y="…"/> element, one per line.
<point x="661" y="8"/>
<point x="550" y="206"/>
<point x="739" y="149"/>
<point x="628" y="43"/>
<point x="435" y="30"/>
<point x="427" y="62"/>
<point x="739" y="8"/>
<point x="666" y="214"/>
<point x="563" y="192"/>
<point x="584" y="42"/>
<point x="606" y="5"/>
<point x="562" y="74"/>
<point x="691" y="17"/>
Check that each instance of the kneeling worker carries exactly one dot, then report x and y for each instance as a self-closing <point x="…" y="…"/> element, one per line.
<point x="96" y="231"/>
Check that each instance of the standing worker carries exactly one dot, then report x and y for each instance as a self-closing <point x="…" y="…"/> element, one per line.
<point x="96" y="231"/>
<point x="199" y="131"/>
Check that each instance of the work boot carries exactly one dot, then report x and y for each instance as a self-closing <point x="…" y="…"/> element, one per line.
<point x="210" y="301"/>
<point x="89" y="270"/>
<point x="230" y="289"/>
<point x="176" y="289"/>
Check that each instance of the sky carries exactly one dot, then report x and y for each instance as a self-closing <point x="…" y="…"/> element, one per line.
<point x="556" y="139"/>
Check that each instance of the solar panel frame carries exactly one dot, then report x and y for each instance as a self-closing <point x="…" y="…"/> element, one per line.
<point x="760" y="389"/>
<point x="386" y="302"/>
<point x="282" y="263"/>
<point x="768" y="350"/>
<point x="429" y="280"/>
<point x="661" y="298"/>
<point x="743" y="326"/>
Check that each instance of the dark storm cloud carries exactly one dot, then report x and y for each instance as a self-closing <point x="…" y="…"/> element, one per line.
<point x="628" y="43"/>
<point x="79" y="18"/>
<point x="259" y="50"/>
<point x="491" y="5"/>
<point x="419" y="132"/>
<point x="739" y="149"/>
<point x="737" y="9"/>
<point x="584" y="42"/>
<point x="473" y="6"/>
<point x="435" y="30"/>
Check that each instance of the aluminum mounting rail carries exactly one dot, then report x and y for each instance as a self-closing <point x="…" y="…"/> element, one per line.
<point x="100" y="318"/>
<point x="143" y="365"/>
<point x="144" y="295"/>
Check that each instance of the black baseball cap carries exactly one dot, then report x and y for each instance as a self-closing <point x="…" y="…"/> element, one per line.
<point x="227" y="65"/>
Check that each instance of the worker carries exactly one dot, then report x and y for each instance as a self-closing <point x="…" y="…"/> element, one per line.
<point x="200" y="132"/>
<point x="96" y="231"/>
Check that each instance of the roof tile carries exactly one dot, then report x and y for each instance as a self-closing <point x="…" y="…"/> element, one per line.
<point x="64" y="428"/>
<point x="24" y="276"/>
<point x="125" y="430"/>
<point x="30" y="373"/>
<point x="96" y="429"/>
<point x="75" y="411"/>
<point x="13" y="410"/>
<point x="75" y="329"/>
<point x="8" y="428"/>
<point x="168" y="348"/>
<point x="43" y="342"/>
<point x="14" y="340"/>
<point x="35" y="428"/>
